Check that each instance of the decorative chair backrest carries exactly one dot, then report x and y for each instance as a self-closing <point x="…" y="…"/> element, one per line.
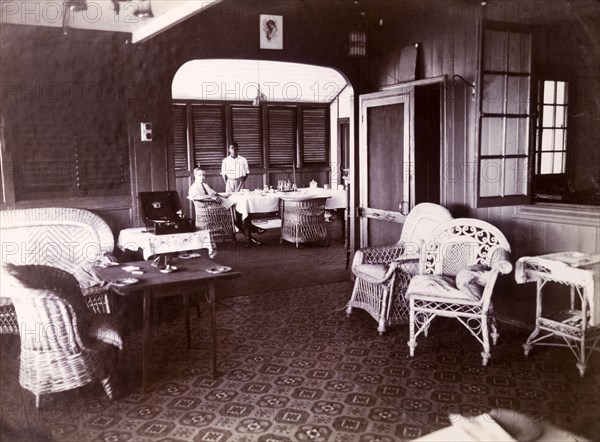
<point x="67" y="238"/>
<point x="462" y="242"/>
<point x="420" y="223"/>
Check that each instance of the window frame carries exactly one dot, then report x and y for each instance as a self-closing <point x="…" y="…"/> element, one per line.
<point x="541" y="128"/>
<point x="523" y="174"/>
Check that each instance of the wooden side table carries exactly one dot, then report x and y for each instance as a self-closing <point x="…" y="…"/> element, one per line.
<point x="192" y="276"/>
<point x="576" y="328"/>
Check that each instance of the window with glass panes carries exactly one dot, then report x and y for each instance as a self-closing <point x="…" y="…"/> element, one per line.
<point x="551" y="147"/>
<point x="504" y="115"/>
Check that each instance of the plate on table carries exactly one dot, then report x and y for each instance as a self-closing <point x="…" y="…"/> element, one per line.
<point x="108" y="264"/>
<point x="218" y="269"/>
<point x="185" y="255"/>
<point x="122" y="282"/>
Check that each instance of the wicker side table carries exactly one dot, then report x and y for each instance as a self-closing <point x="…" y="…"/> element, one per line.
<point x="303" y="219"/>
<point x="578" y="327"/>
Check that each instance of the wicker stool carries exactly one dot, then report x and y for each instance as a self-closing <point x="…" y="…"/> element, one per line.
<point x="211" y="216"/>
<point x="303" y="220"/>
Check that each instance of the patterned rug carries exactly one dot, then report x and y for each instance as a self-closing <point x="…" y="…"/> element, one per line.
<point x="293" y="367"/>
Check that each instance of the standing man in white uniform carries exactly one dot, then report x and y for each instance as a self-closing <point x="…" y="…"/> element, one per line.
<point x="234" y="169"/>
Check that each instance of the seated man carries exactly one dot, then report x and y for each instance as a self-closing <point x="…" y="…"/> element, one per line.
<point x="200" y="190"/>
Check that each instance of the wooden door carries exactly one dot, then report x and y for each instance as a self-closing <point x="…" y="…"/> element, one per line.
<point x="386" y="157"/>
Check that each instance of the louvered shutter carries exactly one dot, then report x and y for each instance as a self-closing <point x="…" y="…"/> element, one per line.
<point x="282" y="135"/>
<point x="99" y="166"/>
<point x="246" y="129"/>
<point x="180" y="137"/>
<point x="209" y="135"/>
<point x="45" y="162"/>
<point x="315" y="135"/>
<point x="52" y="163"/>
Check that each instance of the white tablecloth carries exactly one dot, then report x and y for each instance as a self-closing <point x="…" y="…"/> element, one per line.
<point x="259" y="202"/>
<point x="573" y="268"/>
<point x="151" y="244"/>
<point x="337" y="198"/>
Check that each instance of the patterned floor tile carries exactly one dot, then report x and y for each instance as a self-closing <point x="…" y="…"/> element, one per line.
<point x="294" y="368"/>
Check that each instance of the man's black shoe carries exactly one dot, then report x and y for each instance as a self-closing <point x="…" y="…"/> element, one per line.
<point x="253" y="241"/>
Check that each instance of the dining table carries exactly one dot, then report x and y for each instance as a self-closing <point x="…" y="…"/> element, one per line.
<point x="185" y="277"/>
<point x="260" y="201"/>
<point x="253" y="202"/>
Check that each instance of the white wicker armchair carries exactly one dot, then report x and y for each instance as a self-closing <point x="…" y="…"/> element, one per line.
<point x="63" y="344"/>
<point x="383" y="272"/>
<point x="459" y="267"/>
<point x="71" y="239"/>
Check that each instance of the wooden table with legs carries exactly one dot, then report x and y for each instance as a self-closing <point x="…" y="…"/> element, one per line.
<point x="191" y="276"/>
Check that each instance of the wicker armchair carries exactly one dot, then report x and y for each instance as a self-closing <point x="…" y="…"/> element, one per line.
<point x="459" y="267"/>
<point x="212" y="216"/>
<point x="303" y="220"/>
<point x="71" y="239"/>
<point x="63" y="344"/>
<point x="383" y="272"/>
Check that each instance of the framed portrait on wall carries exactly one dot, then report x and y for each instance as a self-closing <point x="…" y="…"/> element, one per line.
<point x="271" y="31"/>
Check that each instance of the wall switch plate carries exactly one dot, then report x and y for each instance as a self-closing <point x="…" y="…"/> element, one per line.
<point x="146" y="131"/>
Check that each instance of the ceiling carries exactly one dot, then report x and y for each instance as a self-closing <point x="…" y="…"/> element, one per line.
<point x="101" y="15"/>
<point x="236" y="80"/>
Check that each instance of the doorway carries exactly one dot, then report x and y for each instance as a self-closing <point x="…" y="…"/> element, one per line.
<point x="400" y="145"/>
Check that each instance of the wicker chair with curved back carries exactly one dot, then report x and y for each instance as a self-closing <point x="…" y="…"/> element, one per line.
<point x="383" y="272"/>
<point x="303" y="219"/>
<point x="71" y="239"/>
<point x="212" y="216"/>
<point x="459" y="266"/>
<point x="63" y="344"/>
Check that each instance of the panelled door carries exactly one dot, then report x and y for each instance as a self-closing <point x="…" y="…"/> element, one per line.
<point x="385" y="160"/>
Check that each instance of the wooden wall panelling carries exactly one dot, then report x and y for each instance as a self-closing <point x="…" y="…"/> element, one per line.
<point x="118" y="219"/>
<point x="457" y="169"/>
<point x="589" y="240"/>
<point x="437" y="49"/>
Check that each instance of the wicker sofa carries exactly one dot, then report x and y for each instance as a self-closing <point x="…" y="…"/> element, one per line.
<point x="71" y="239"/>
